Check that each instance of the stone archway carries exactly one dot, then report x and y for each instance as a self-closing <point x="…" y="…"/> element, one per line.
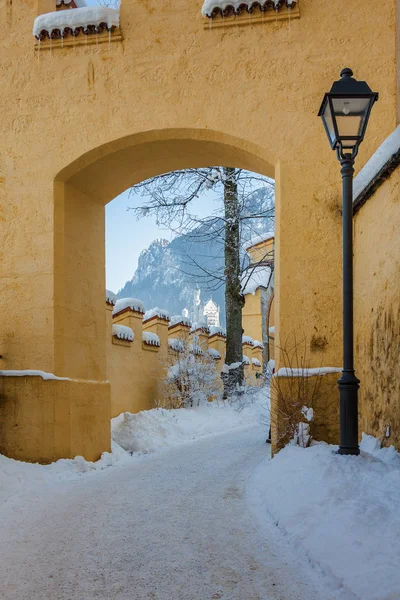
<point x="85" y="122"/>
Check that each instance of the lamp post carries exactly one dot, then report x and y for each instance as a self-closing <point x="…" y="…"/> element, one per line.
<point x="345" y="111"/>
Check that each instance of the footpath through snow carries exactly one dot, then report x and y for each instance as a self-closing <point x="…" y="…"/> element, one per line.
<point x="198" y="511"/>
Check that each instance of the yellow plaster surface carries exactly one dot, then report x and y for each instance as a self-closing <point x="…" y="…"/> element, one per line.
<point x="377" y="311"/>
<point x="82" y="124"/>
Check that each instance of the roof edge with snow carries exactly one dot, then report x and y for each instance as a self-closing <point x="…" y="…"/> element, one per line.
<point x="213" y="8"/>
<point x="377" y="170"/>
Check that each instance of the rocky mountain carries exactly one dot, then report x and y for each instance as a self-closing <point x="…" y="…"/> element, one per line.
<point x="167" y="277"/>
<point x="169" y="273"/>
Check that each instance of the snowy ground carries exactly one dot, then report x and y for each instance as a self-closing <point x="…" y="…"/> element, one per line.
<point x="200" y="512"/>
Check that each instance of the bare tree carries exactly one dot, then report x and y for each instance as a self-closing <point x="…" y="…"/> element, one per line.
<point x="172" y="197"/>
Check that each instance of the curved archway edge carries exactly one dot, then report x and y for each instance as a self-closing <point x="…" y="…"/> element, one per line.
<point x="136" y="157"/>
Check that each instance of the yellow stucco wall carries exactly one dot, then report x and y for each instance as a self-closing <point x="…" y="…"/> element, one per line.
<point x="377" y="311"/>
<point x="83" y="123"/>
<point x="252" y="316"/>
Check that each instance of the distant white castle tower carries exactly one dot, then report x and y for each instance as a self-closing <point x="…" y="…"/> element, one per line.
<point x="211" y="313"/>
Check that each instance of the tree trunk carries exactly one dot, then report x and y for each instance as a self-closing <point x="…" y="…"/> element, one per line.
<point x="234" y="300"/>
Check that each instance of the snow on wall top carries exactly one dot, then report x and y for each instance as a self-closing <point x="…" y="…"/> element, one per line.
<point x="246" y="339"/>
<point x="258" y="344"/>
<point x="151" y="339"/>
<point x="259" y="239"/>
<point x="256" y="362"/>
<point x="74" y="20"/>
<point x="195" y="349"/>
<point x="377" y="161"/>
<point x="176" y="345"/>
<point x="214" y="353"/>
<point x="180" y="320"/>
<point x="254" y="278"/>
<point x="132" y="303"/>
<point x="201" y="325"/>
<point x="122" y="332"/>
<point x="245" y="360"/>
<point x="271" y="330"/>
<point x="160" y="313"/>
<point x="211" y="8"/>
<point x="288" y="372"/>
<point x="215" y="330"/>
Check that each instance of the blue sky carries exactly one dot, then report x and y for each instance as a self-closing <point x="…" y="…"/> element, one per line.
<point x="126" y="236"/>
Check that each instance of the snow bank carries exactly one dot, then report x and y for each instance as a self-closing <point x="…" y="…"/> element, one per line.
<point x="215" y="330"/>
<point x="132" y="303"/>
<point x="377" y="161"/>
<point x="259" y="239"/>
<point x="289" y="372"/>
<point x="176" y="345"/>
<point x="179" y="319"/>
<point x="151" y="339"/>
<point x="342" y="511"/>
<point x="78" y="18"/>
<point x="160" y="313"/>
<point x="20" y="478"/>
<point x="158" y="429"/>
<point x="254" y="278"/>
<point x="143" y="432"/>
<point x="122" y="332"/>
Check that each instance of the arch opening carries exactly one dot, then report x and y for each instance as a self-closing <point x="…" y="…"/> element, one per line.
<point x="82" y="189"/>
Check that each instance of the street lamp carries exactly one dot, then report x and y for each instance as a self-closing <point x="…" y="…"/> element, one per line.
<point x="345" y="112"/>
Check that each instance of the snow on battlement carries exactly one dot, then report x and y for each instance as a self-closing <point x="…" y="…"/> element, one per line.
<point x="195" y="349"/>
<point x="259" y="239"/>
<point x="180" y="320"/>
<point x="87" y="20"/>
<point x="254" y="278"/>
<point x="245" y="360"/>
<point x="257" y="344"/>
<point x="176" y="345"/>
<point x="132" y="303"/>
<point x="214" y="353"/>
<point x="160" y="313"/>
<point x="215" y="330"/>
<point x="200" y="326"/>
<point x="211" y="8"/>
<point x="246" y="339"/>
<point x="151" y="339"/>
<point x="122" y="332"/>
<point x="256" y="362"/>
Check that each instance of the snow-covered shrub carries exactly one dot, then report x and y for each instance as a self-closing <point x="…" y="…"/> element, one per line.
<point x="191" y="377"/>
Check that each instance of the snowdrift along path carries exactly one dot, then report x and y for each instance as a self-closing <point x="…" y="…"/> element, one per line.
<point x="174" y="526"/>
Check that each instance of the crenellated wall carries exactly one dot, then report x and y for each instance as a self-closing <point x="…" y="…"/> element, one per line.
<point x="136" y="367"/>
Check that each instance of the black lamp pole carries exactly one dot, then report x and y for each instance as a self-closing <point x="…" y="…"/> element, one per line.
<point x="345" y="112"/>
<point x="348" y="383"/>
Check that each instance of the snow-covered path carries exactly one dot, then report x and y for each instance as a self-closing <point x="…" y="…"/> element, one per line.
<point x="173" y="526"/>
